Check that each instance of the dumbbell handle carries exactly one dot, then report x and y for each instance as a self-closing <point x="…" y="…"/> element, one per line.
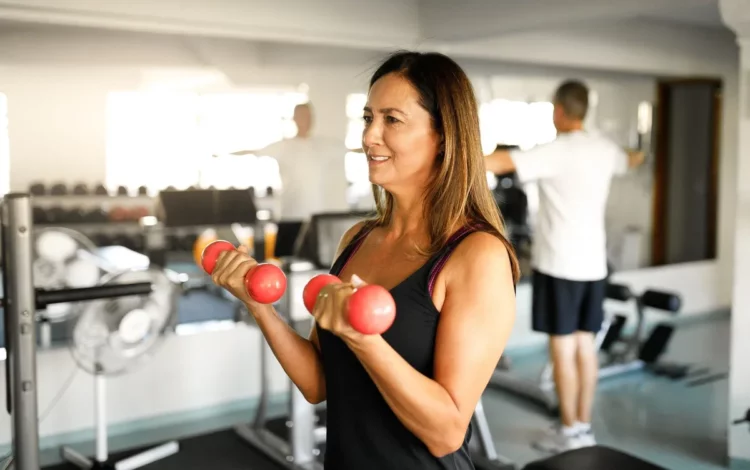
<point x="371" y="309"/>
<point x="264" y="283"/>
<point x="746" y="419"/>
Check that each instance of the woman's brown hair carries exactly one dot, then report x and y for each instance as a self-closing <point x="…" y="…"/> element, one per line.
<point x="458" y="192"/>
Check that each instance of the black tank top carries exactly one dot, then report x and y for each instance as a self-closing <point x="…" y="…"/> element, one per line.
<point x="363" y="433"/>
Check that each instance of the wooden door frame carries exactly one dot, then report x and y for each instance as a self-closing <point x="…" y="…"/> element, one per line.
<point x="661" y="170"/>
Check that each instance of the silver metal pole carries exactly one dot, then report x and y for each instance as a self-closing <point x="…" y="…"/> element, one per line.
<point x="19" y="308"/>
<point x="100" y="416"/>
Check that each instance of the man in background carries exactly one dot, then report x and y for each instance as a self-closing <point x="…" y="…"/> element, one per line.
<point x="311" y="168"/>
<point x="569" y="257"/>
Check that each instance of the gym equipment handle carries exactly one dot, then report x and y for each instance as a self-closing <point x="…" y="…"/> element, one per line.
<point x="660" y="300"/>
<point x="618" y="292"/>
<point x="746" y="419"/>
<point x="47" y="297"/>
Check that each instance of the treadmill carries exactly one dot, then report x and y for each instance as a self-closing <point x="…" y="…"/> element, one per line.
<point x="541" y="391"/>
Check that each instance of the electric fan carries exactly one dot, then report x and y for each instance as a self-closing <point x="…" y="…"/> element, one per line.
<point x="111" y="337"/>
<point x="63" y="258"/>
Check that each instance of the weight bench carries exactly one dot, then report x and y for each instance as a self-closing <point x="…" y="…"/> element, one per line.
<point x="638" y="353"/>
<point x="592" y="458"/>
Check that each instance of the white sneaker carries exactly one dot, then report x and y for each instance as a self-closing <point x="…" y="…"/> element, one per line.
<point x="586" y="438"/>
<point x="559" y="439"/>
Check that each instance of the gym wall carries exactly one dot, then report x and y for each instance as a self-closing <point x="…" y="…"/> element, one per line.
<point x="57" y="80"/>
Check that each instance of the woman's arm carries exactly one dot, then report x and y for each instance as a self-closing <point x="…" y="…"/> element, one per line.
<point x="299" y="357"/>
<point x="476" y="320"/>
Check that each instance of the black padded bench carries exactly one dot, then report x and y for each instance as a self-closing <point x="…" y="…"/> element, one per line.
<point x="592" y="458"/>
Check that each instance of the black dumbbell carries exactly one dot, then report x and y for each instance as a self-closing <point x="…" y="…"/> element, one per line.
<point x="142" y="191"/>
<point x="56" y="215"/>
<point x="122" y="191"/>
<point x="59" y="189"/>
<point x="96" y="216"/>
<point x="39" y="215"/>
<point x="124" y="240"/>
<point x="101" y="239"/>
<point x="76" y="216"/>
<point x="100" y="190"/>
<point x="80" y="189"/>
<point x="38" y="189"/>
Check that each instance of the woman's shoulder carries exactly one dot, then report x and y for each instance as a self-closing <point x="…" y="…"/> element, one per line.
<point x="480" y="249"/>
<point x="355" y="230"/>
<point x="485" y="241"/>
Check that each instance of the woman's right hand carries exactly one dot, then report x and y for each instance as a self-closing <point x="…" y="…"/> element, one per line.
<point x="229" y="273"/>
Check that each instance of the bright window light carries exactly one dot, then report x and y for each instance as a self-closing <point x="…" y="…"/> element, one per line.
<point x="354" y="130"/>
<point x="645" y="113"/>
<point x="357" y="172"/>
<point x="165" y="138"/>
<point x="4" y="147"/>
<point x="355" y="104"/>
<point x="505" y="122"/>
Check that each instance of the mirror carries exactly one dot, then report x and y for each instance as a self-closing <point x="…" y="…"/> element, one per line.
<point x="652" y="206"/>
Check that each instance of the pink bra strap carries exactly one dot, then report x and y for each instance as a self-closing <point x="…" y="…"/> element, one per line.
<point x="450" y="246"/>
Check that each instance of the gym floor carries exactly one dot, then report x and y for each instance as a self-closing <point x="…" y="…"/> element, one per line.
<point x="679" y="425"/>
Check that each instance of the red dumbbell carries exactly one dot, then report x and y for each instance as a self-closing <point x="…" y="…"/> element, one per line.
<point x="264" y="282"/>
<point x="371" y="309"/>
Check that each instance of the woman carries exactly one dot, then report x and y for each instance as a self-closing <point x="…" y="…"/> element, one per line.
<point x="404" y="399"/>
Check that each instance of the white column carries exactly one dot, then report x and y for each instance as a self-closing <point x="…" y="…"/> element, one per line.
<point x="736" y="14"/>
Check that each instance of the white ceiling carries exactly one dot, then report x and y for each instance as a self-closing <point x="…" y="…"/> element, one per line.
<point x="462" y="20"/>
<point x="443" y="22"/>
<point x="706" y="15"/>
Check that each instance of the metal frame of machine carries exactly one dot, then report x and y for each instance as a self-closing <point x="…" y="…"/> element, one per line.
<point x="20" y="303"/>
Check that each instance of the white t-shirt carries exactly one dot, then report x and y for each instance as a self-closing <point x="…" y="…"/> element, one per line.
<point x="312" y="174"/>
<point x="573" y="175"/>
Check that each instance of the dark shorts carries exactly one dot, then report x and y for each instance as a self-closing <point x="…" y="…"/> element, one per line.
<point x="562" y="307"/>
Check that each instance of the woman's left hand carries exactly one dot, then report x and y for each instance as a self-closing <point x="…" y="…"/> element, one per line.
<point x="331" y="307"/>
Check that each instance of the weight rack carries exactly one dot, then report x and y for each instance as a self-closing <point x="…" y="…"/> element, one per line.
<point x="20" y="302"/>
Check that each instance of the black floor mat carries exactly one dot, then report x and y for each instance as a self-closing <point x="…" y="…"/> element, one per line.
<point x="223" y="450"/>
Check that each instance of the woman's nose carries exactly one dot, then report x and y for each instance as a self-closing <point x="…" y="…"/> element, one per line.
<point x="372" y="134"/>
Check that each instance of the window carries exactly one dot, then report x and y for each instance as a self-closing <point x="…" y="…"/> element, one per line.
<point x="163" y="138"/>
<point x="526" y="125"/>
<point x="357" y="172"/>
<point x="506" y="122"/>
<point x="4" y="147"/>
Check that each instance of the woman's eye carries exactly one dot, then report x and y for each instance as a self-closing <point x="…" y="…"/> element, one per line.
<point x="367" y="119"/>
<point x="391" y="119"/>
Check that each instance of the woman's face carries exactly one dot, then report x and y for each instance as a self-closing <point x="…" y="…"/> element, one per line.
<point x="399" y="140"/>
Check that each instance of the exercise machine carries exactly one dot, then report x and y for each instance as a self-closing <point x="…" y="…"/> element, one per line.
<point x="296" y="440"/>
<point x="541" y="391"/>
<point x="637" y="353"/>
<point x="21" y="302"/>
